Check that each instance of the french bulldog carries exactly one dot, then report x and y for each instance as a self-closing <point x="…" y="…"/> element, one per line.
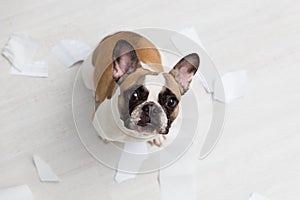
<point x="149" y="97"/>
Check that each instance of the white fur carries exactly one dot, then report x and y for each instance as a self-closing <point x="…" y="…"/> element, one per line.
<point x="154" y="84"/>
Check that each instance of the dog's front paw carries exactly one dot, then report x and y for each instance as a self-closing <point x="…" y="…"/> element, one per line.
<point x="158" y="141"/>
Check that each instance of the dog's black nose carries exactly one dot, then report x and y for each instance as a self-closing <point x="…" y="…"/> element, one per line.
<point x="150" y="114"/>
<point x="146" y="108"/>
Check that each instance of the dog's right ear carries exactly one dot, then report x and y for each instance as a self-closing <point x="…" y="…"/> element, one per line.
<point x="125" y="60"/>
<point x="184" y="71"/>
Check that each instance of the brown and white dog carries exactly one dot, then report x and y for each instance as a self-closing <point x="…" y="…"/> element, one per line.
<point x="149" y="100"/>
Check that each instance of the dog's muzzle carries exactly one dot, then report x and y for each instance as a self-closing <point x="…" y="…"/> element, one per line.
<point x="150" y="115"/>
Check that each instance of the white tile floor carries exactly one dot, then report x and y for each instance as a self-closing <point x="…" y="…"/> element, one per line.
<point x="259" y="150"/>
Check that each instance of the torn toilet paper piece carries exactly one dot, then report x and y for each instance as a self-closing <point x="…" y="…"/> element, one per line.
<point x="232" y="85"/>
<point x="20" y="52"/>
<point x="35" y="69"/>
<point x="255" y="196"/>
<point x="178" y="187"/>
<point x="44" y="170"/>
<point x="132" y="157"/>
<point x="69" y="52"/>
<point x="21" y="192"/>
<point x="178" y="181"/>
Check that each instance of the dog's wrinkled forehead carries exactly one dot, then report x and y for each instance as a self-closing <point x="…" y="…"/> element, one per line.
<point x="153" y="81"/>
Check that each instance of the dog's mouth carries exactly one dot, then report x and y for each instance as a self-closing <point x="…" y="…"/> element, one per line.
<point x="143" y="123"/>
<point x="144" y="120"/>
<point x="146" y="127"/>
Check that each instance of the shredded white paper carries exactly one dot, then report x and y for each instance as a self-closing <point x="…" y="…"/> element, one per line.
<point x="231" y="86"/>
<point x="45" y="172"/>
<point x="21" y="192"/>
<point x="178" y="181"/>
<point x="127" y="161"/>
<point x="69" y="52"/>
<point x="20" y="52"/>
<point x="35" y="69"/>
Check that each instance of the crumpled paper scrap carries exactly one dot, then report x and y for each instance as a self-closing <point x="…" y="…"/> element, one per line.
<point x="69" y="52"/>
<point x="178" y="181"/>
<point x="21" y="192"/>
<point x="45" y="172"/>
<point x="20" y="52"/>
<point x="130" y="162"/>
<point x="231" y="86"/>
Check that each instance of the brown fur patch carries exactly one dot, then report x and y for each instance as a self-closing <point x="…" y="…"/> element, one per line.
<point x="102" y="60"/>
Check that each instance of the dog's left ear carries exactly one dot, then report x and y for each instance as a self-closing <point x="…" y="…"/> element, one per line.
<point x="125" y="60"/>
<point x="184" y="71"/>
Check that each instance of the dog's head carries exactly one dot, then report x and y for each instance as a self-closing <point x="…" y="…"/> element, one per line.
<point x="149" y="101"/>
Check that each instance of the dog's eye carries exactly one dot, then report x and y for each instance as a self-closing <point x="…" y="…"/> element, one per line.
<point x="135" y="96"/>
<point x="139" y="94"/>
<point x="172" y="102"/>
